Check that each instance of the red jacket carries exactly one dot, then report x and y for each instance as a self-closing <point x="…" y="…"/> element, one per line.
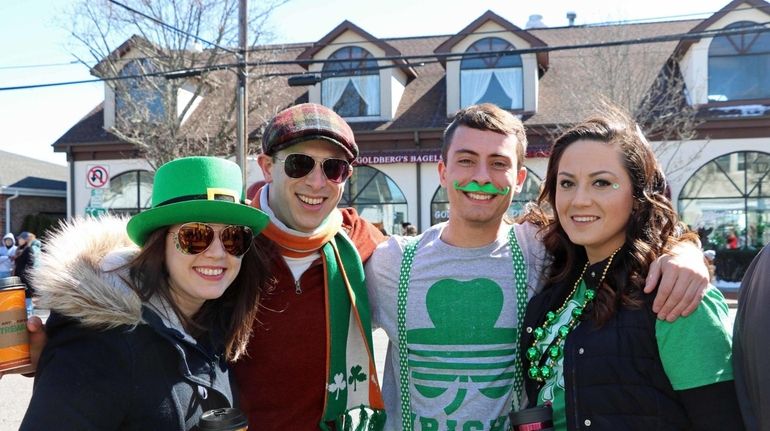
<point x="282" y="381"/>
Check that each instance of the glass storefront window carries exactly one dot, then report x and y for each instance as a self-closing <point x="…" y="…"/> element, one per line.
<point x="725" y="201"/>
<point x="129" y="193"/>
<point x="377" y="198"/>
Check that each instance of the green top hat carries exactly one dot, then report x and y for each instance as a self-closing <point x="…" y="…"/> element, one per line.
<point x="196" y="189"/>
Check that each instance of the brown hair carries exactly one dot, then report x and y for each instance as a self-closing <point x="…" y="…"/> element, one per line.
<point x="487" y="116"/>
<point x="233" y="313"/>
<point x="652" y="229"/>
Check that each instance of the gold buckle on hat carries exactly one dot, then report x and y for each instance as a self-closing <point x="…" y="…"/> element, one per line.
<point x="218" y="194"/>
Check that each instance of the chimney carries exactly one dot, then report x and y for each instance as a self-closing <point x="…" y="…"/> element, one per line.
<point x="535" y="21"/>
<point x="571" y="17"/>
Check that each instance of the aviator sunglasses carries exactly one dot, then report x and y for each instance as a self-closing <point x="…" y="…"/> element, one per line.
<point x="298" y="165"/>
<point x="195" y="238"/>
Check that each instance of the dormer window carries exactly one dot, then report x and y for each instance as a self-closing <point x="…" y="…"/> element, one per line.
<point x="139" y="99"/>
<point x="739" y="65"/>
<point x="493" y="78"/>
<point x="351" y="86"/>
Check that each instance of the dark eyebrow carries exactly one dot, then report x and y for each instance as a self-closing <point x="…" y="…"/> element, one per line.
<point x="592" y="174"/>
<point x="473" y="153"/>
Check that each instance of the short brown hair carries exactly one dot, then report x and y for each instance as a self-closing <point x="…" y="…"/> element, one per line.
<point x="487" y="116"/>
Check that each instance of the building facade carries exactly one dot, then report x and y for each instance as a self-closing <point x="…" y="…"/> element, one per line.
<point x="700" y="88"/>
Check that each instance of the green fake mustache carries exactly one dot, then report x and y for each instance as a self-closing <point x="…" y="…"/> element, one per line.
<point x="488" y="188"/>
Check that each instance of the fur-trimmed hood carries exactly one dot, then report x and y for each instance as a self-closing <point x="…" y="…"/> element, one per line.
<point x="74" y="277"/>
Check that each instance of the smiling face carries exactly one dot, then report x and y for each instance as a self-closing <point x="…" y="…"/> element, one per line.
<point x="195" y="278"/>
<point x="485" y="157"/>
<point x="303" y="203"/>
<point x="592" y="210"/>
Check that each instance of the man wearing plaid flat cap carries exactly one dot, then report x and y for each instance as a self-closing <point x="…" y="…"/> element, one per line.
<point x="309" y="363"/>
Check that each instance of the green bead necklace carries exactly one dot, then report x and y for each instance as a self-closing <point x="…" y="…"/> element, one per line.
<point x="551" y="353"/>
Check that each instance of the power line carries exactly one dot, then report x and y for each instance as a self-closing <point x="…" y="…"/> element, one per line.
<point x="349" y="42"/>
<point x="419" y="59"/>
<point x="492" y="32"/>
<point x="35" y="66"/>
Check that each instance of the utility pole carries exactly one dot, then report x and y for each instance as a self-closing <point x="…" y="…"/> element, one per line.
<point x="241" y="148"/>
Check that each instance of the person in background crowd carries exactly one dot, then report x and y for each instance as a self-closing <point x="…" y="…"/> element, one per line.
<point x="593" y="349"/>
<point x="26" y="259"/>
<point x="710" y="256"/>
<point x="7" y="255"/>
<point x="751" y="343"/>
<point x="139" y="337"/>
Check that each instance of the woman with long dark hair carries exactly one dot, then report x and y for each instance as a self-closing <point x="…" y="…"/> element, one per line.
<point x="593" y="348"/>
<point x="139" y="337"/>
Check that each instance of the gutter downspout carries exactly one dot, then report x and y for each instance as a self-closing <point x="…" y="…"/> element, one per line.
<point x="8" y="210"/>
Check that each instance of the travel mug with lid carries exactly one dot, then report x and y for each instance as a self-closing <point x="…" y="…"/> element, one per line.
<point x="225" y="419"/>
<point x="538" y="418"/>
<point x="14" y="340"/>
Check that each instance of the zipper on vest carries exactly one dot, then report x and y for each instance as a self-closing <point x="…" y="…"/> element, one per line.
<point x="297" y="287"/>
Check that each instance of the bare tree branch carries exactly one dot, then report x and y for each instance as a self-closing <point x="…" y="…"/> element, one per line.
<point x="160" y="116"/>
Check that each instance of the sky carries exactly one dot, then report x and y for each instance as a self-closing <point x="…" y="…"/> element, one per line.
<point x="37" y="47"/>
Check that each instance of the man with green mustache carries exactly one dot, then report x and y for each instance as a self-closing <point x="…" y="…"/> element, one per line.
<point x="451" y="311"/>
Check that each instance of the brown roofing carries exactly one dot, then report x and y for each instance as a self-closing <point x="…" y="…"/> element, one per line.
<point x="573" y="81"/>
<point x="685" y="44"/>
<point x="346" y="25"/>
<point x="534" y="41"/>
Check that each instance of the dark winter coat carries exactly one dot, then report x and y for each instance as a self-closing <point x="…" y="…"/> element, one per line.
<point x="112" y="362"/>
<point x="26" y="260"/>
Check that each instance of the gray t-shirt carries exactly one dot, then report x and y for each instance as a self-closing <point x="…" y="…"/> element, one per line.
<point x="461" y="324"/>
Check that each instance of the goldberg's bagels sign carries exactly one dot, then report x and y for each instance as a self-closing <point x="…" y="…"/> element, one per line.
<point x="387" y="159"/>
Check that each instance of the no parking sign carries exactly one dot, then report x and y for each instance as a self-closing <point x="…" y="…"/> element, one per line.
<point x="97" y="177"/>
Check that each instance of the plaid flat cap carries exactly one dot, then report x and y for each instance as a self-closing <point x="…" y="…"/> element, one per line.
<point x="305" y="122"/>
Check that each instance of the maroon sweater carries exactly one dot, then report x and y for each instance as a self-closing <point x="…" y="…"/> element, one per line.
<point x="282" y="382"/>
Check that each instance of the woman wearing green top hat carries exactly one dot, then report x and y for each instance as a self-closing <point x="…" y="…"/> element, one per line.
<point x="592" y="348"/>
<point x="139" y="337"/>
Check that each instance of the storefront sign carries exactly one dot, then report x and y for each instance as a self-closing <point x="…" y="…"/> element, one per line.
<point x="391" y="157"/>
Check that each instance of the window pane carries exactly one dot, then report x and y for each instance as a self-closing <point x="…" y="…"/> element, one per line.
<point x="140" y="99"/>
<point x="739" y="65"/>
<point x="376" y="197"/>
<point x="491" y="78"/>
<point x="718" y="178"/>
<point x="351" y="87"/>
<point x="726" y="201"/>
<point x="126" y="193"/>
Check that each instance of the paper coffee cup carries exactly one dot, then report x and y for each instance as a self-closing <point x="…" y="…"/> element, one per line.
<point x="14" y="340"/>
<point x="227" y="419"/>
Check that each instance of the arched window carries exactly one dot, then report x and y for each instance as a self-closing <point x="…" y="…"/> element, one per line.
<point x="493" y="78"/>
<point x="739" y="65"/>
<point x="725" y="201"/>
<point x="376" y="197"/>
<point x="439" y="205"/>
<point x="351" y="86"/>
<point x="139" y="99"/>
<point x="129" y="193"/>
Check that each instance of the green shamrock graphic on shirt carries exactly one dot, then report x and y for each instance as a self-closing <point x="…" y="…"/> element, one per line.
<point x="463" y="351"/>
